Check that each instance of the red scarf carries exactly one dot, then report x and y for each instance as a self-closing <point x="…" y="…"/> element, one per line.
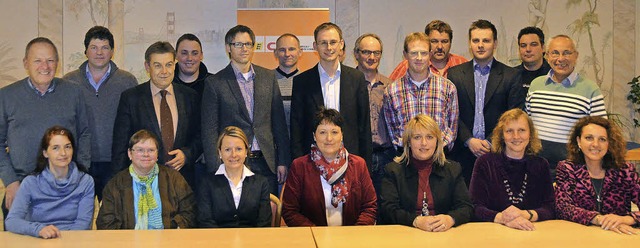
<point x="333" y="173"/>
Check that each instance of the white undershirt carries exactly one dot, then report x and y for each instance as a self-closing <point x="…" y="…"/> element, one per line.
<point x="334" y="215"/>
<point x="236" y="190"/>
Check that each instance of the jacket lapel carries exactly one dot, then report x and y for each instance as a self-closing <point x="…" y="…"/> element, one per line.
<point x="470" y="83"/>
<point x="182" y="115"/>
<point x="315" y="88"/>
<point x="147" y="105"/>
<point x="234" y="86"/>
<point x="494" y="80"/>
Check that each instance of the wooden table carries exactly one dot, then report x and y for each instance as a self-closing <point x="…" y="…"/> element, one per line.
<point x="554" y="233"/>
<point x="189" y="238"/>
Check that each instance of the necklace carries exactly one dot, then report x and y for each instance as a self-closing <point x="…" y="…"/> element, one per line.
<point x="515" y="199"/>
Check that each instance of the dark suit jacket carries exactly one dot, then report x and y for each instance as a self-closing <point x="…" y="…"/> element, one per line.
<point x="303" y="200"/>
<point x="136" y="112"/>
<point x="223" y="106"/>
<point x="177" y="199"/>
<point x="306" y="100"/>
<point x="217" y="209"/>
<point x="503" y="92"/>
<point x="400" y="193"/>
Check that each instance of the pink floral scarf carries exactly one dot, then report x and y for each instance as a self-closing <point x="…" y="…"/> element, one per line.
<point x="333" y="173"/>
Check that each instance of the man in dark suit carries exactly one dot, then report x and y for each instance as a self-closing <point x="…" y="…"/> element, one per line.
<point x="246" y="96"/>
<point x="486" y="89"/>
<point x="330" y="84"/>
<point x="170" y="111"/>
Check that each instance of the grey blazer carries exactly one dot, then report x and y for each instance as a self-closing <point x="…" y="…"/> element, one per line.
<point x="223" y="105"/>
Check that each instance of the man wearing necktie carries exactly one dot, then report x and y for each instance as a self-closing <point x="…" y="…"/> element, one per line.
<point x="170" y="111"/>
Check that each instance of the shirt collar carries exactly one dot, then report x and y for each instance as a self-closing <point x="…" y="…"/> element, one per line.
<point x="245" y="172"/>
<point x="155" y="90"/>
<point x="52" y="87"/>
<point x="239" y="75"/>
<point x="323" y="73"/>
<point x="569" y="81"/>
<point x="485" y="70"/>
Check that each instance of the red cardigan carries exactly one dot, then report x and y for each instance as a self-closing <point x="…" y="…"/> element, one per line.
<point x="303" y="200"/>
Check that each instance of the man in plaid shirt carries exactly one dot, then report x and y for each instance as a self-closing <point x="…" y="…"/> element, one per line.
<point x="420" y="92"/>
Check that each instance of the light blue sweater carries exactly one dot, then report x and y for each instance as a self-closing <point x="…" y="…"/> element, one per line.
<point x="42" y="200"/>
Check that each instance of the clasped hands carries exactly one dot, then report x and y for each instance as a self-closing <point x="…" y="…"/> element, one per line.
<point x="515" y="218"/>
<point x="437" y="223"/>
<point x="615" y="223"/>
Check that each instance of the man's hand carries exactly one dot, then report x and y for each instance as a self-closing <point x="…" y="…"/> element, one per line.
<point x="282" y="173"/>
<point x="479" y="147"/>
<point x="178" y="161"/>
<point x="11" y="191"/>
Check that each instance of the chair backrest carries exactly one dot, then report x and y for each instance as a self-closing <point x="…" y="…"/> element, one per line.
<point x="96" y="210"/>
<point x="276" y="210"/>
<point x="2" y="189"/>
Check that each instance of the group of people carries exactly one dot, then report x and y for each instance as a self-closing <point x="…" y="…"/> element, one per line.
<point x="442" y="142"/>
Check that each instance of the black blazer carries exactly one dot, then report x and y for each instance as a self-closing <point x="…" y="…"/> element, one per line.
<point x="136" y="112"/>
<point x="503" y="92"/>
<point x="399" y="193"/>
<point x="306" y="100"/>
<point x="223" y="105"/>
<point x="217" y="209"/>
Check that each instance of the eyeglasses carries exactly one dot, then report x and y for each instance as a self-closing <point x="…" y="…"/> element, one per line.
<point x="331" y="43"/>
<point x="142" y="151"/>
<point x="414" y="54"/>
<point x="368" y="53"/>
<point x="556" y="54"/>
<point x="241" y="44"/>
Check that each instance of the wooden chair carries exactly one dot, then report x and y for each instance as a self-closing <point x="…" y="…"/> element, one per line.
<point x="276" y="210"/>
<point x="96" y="210"/>
<point x="2" y="189"/>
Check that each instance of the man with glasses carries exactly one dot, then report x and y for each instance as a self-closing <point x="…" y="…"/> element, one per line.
<point x="368" y="51"/>
<point x="556" y="101"/>
<point x="101" y="82"/>
<point x="440" y="60"/>
<point x="486" y="89"/>
<point x="420" y="91"/>
<point x="170" y="111"/>
<point x="246" y="96"/>
<point x="332" y="85"/>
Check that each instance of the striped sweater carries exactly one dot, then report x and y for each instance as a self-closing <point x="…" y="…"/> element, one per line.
<point x="556" y="107"/>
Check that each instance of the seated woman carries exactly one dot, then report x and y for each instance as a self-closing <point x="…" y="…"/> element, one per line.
<point x="58" y="195"/>
<point x="421" y="188"/>
<point x="329" y="186"/>
<point x="146" y="196"/>
<point x="511" y="185"/>
<point x="233" y="183"/>
<point x="595" y="185"/>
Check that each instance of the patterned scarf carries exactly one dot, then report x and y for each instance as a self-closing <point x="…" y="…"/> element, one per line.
<point x="149" y="213"/>
<point x="333" y="173"/>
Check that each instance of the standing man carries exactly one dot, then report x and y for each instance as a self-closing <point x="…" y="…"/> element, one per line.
<point x="440" y="38"/>
<point x="287" y="52"/>
<point x="246" y="96"/>
<point x="170" y="111"/>
<point x="368" y="52"/>
<point x="332" y="85"/>
<point x="486" y="89"/>
<point x="29" y="106"/>
<point x="421" y="92"/>
<point x="531" y="43"/>
<point x="556" y="101"/>
<point x="101" y="82"/>
<point x="190" y="70"/>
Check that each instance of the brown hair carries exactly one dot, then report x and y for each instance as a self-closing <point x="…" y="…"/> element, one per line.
<point x="141" y="136"/>
<point x="43" y="162"/>
<point x="497" y="138"/>
<point x="614" y="158"/>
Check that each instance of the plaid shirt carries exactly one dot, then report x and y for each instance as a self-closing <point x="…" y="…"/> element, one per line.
<point x="437" y="98"/>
